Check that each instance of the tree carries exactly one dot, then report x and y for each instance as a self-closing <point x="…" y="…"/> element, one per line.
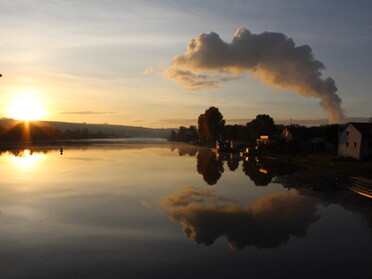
<point x="172" y="136"/>
<point x="184" y="134"/>
<point x="263" y="124"/>
<point x="210" y="125"/>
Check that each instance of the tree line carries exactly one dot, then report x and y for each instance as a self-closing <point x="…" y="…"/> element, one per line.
<point x="212" y="127"/>
<point x="32" y="132"/>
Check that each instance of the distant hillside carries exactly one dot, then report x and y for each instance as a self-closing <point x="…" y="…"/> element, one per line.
<point x="112" y="130"/>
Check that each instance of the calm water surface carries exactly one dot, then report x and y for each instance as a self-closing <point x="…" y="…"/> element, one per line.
<point x="159" y="210"/>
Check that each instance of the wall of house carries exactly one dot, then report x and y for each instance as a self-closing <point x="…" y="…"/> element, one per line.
<point x="349" y="143"/>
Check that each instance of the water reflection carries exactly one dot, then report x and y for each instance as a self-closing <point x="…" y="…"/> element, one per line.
<point x="269" y="223"/>
<point x="185" y="149"/>
<point x="233" y="161"/>
<point x="80" y="212"/>
<point x="209" y="165"/>
<point x="25" y="158"/>
<point x="260" y="174"/>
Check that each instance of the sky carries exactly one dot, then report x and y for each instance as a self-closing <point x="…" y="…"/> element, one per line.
<point x="104" y="61"/>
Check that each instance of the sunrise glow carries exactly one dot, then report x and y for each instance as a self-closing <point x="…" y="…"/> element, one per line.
<point x="26" y="108"/>
<point x="26" y="158"/>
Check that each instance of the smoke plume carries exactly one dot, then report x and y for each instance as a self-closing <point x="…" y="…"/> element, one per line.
<point x="273" y="57"/>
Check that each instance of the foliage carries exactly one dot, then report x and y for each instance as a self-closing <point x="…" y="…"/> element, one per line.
<point x="263" y="124"/>
<point x="184" y="134"/>
<point x="210" y="125"/>
<point x="21" y="131"/>
<point x="234" y="132"/>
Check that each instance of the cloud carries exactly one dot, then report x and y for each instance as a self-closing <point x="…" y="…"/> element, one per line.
<point x="273" y="57"/>
<point x="148" y="70"/>
<point x="269" y="223"/>
<point x="87" y="112"/>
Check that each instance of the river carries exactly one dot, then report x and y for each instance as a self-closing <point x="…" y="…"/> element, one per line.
<point x="152" y="209"/>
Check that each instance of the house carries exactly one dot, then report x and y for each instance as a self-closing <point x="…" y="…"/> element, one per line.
<point x="308" y="139"/>
<point x="356" y="141"/>
<point x="264" y="140"/>
<point x="300" y="132"/>
<point x="267" y="142"/>
<point x="287" y="135"/>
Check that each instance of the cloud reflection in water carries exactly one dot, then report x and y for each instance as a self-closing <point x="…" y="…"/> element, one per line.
<point x="269" y="223"/>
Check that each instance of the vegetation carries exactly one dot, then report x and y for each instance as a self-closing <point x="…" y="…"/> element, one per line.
<point x="184" y="134"/>
<point x="263" y="124"/>
<point x="211" y="127"/>
<point x="19" y="131"/>
<point x="32" y="132"/>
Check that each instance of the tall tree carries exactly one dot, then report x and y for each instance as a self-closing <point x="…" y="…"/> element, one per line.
<point x="210" y="125"/>
<point x="263" y="124"/>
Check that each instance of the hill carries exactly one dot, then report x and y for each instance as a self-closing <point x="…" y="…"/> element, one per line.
<point x="97" y="130"/>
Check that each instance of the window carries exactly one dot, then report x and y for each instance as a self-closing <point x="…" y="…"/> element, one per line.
<point x="355" y="144"/>
<point x="347" y="144"/>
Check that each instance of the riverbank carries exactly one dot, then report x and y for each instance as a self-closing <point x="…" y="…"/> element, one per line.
<point x="324" y="172"/>
<point x="327" y="164"/>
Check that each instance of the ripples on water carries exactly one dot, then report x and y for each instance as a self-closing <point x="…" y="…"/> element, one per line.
<point x="130" y="209"/>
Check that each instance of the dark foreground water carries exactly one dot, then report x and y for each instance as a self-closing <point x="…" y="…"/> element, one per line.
<point x="128" y="210"/>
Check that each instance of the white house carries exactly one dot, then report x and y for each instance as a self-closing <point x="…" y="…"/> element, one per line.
<point x="356" y="141"/>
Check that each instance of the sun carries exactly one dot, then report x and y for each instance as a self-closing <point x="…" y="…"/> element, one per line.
<point x="26" y="108"/>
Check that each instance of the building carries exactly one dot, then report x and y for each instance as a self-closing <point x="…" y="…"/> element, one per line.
<point x="356" y="141"/>
<point x="267" y="142"/>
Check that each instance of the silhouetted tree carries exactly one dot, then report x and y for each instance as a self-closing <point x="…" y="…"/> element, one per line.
<point x="202" y="128"/>
<point x="172" y="136"/>
<point x="263" y="124"/>
<point x="22" y="131"/>
<point x="184" y="134"/>
<point x="234" y="132"/>
<point x="210" y="125"/>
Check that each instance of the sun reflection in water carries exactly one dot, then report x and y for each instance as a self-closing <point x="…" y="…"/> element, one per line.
<point x="25" y="158"/>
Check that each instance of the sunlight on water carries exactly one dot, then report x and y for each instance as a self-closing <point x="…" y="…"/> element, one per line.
<point x="106" y="211"/>
<point x="25" y="158"/>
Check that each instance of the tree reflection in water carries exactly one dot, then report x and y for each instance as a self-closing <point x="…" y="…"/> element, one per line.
<point x="233" y="161"/>
<point x="260" y="175"/>
<point x="209" y="165"/>
<point x="261" y="171"/>
<point x="269" y="223"/>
